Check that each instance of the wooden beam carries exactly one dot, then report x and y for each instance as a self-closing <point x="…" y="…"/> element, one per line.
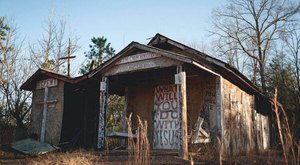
<point x="102" y="112"/>
<point x="220" y="115"/>
<point x="43" y="130"/>
<point x="182" y="115"/>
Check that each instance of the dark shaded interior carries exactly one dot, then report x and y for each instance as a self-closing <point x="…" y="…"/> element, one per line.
<point x="79" y="127"/>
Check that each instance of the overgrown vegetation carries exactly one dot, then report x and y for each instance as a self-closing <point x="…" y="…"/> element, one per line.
<point x="115" y="115"/>
<point x="139" y="148"/>
<point x="259" y="38"/>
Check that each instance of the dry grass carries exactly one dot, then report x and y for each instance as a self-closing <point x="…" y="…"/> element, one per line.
<point x="74" y="158"/>
<point x="139" y="150"/>
<point x="120" y="157"/>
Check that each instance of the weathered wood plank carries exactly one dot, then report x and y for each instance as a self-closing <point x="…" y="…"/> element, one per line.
<point x="44" y="114"/>
<point x="182" y="114"/>
<point x="102" y="113"/>
<point x="137" y="57"/>
<point x="166" y="122"/>
<point x="159" y="62"/>
<point x="46" y="83"/>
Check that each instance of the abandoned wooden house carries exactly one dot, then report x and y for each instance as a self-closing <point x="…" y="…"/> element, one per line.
<point x="186" y="97"/>
<point x="60" y="108"/>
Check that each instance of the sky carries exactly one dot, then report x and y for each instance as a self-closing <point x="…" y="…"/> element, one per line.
<point x="119" y="21"/>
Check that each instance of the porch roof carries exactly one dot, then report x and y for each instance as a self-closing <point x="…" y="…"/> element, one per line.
<point x="190" y="56"/>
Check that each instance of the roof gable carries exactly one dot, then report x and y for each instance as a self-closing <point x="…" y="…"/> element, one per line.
<point x="42" y="74"/>
<point x="160" y="41"/>
<point x="138" y="57"/>
<point x="221" y="67"/>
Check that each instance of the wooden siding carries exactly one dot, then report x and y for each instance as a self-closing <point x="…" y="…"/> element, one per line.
<point x="244" y="129"/>
<point x="54" y="113"/>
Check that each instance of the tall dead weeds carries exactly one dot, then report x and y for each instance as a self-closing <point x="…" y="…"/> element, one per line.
<point x="139" y="147"/>
<point x="285" y="133"/>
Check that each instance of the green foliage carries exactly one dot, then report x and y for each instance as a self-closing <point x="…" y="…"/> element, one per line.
<point x="282" y="78"/>
<point x="115" y="117"/>
<point x="4" y="28"/>
<point x="100" y="51"/>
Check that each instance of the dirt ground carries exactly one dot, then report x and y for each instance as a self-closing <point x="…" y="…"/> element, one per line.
<point x="84" y="157"/>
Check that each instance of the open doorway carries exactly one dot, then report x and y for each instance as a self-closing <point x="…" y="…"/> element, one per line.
<point x="115" y="121"/>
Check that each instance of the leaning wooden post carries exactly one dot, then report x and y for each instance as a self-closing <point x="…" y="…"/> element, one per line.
<point x="182" y="113"/>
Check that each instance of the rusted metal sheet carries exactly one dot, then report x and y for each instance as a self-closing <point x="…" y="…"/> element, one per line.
<point x="33" y="147"/>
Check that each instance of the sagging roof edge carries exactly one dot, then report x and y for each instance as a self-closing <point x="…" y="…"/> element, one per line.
<point x="182" y="58"/>
<point x="150" y="48"/>
<point x="27" y="84"/>
<point x="211" y="59"/>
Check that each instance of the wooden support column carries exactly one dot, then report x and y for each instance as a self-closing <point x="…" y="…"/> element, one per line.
<point x="220" y="114"/>
<point x="182" y="113"/>
<point x="102" y="112"/>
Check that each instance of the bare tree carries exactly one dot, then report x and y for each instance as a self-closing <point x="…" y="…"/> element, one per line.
<point x="229" y="52"/>
<point x="14" y="70"/>
<point x="291" y="39"/>
<point x="52" y="46"/>
<point x="254" y="25"/>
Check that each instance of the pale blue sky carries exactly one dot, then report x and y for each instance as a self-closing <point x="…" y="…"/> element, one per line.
<point x="120" y="21"/>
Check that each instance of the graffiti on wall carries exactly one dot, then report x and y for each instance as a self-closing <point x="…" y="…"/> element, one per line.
<point x="209" y="103"/>
<point x="166" y="122"/>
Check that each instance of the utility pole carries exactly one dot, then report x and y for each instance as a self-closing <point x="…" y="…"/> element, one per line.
<point x="68" y="57"/>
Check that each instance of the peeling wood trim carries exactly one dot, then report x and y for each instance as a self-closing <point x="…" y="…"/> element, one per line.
<point x="136" y="45"/>
<point x="222" y="116"/>
<point x="27" y="85"/>
<point x="165" y="53"/>
<point x="206" y="69"/>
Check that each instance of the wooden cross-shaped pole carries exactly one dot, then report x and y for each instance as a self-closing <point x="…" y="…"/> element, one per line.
<point x="68" y="57"/>
<point x="44" y="115"/>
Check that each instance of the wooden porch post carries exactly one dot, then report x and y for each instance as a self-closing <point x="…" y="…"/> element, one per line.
<point x="102" y="112"/>
<point x="182" y="113"/>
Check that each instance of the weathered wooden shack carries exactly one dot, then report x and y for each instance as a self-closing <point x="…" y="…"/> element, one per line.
<point x="186" y="96"/>
<point x="63" y="109"/>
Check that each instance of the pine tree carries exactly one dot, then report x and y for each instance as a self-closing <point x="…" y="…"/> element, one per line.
<point x="100" y="51"/>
